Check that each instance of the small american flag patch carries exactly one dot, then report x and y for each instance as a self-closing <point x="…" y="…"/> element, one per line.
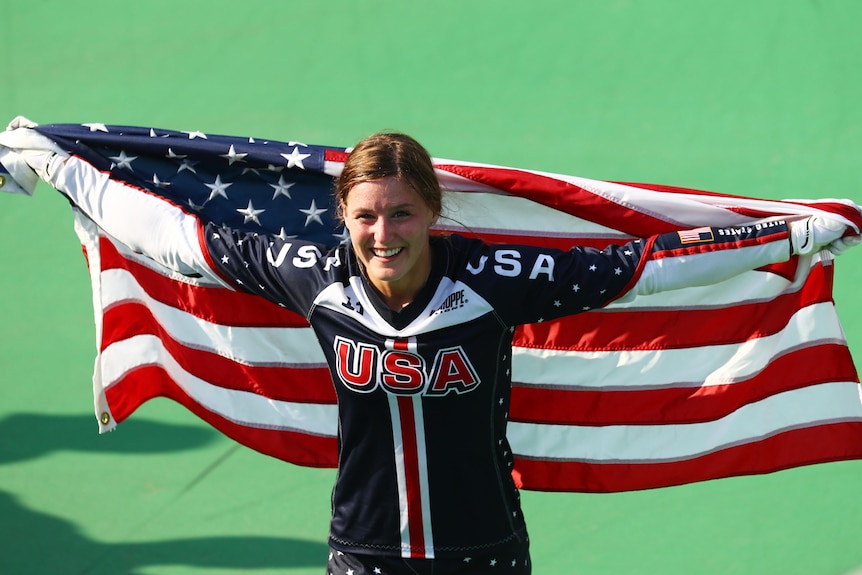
<point x="696" y="235"/>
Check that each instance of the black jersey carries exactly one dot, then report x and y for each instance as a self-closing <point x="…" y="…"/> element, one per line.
<point x="423" y="393"/>
<point x="424" y="465"/>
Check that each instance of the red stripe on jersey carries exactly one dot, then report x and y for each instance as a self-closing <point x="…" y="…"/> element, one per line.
<point x="411" y="469"/>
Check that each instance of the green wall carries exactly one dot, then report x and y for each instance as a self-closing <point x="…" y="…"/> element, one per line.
<point x="756" y="97"/>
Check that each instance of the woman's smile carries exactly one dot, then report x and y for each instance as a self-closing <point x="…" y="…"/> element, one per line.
<point x="389" y="227"/>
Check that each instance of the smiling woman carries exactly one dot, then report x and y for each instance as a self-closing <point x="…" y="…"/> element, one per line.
<point x="389" y="197"/>
<point x="389" y="227"/>
<point x="417" y="332"/>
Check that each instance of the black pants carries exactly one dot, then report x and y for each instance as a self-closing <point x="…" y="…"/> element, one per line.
<point x="512" y="560"/>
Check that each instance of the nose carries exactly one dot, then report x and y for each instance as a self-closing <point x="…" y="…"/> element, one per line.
<point x="382" y="230"/>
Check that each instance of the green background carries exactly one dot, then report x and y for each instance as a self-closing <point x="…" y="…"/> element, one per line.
<point x="753" y="97"/>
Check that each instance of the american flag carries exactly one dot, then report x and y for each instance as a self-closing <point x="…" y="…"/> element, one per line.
<point x="752" y="375"/>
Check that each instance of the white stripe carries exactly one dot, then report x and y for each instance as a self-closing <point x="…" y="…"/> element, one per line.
<point x="497" y="213"/>
<point x="152" y="265"/>
<point x="746" y="288"/>
<point x="238" y="406"/>
<point x="425" y="493"/>
<point x="710" y="365"/>
<point x="806" y="407"/>
<point x="265" y="346"/>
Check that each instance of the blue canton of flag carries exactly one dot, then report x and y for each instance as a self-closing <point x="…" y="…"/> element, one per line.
<point x="245" y="183"/>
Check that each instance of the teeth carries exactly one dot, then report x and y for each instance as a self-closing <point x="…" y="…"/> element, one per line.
<point x="386" y="253"/>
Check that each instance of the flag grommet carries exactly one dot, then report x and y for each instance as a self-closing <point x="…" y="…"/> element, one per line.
<point x="105" y="418"/>
<point x="2" y="181"/>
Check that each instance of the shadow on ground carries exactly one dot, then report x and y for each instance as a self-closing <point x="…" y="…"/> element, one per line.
<point x="34" y="542"/>
<point x="26" y="436"/>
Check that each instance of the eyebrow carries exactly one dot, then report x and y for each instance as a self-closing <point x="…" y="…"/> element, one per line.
<point x="389" y="209"/>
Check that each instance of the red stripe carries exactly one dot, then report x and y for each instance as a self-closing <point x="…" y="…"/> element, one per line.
<point x="839" y="208"/>
<point x="295" y="383"/>
<point x="296" y="447"/>
<point x="330" y="155"/>
<point x="820" y="444"/>
<point x="801" y="368"/>
<point x="411" y="471"/>
<point x="565" y="197"/>
<point x="619" y="330"/>
<point x="213" y="304"/>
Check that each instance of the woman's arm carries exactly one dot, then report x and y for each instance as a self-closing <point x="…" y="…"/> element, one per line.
<point x="146" y="223"/>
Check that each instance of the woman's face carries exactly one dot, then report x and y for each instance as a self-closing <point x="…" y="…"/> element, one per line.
<point x="388" y="224"/>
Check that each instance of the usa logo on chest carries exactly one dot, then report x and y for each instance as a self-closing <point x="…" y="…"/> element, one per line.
<point x="398" y="369"/>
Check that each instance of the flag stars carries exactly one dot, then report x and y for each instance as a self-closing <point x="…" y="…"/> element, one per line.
<point x="282" y="188"/>
<point x="628" y="252"/>
<point x="196" y="134"/>
<point x="250" y="214"/>
<point x="232" y="156"/>
<point x="593" y="268"/>
<point x="188" y="165"/>
<point x="123" y="161"/>
<point x="159" y="183"/>
<point x="312" y="214"/>
<point x="96" y="127"/>
<point x="218" y="188"/>
<point x="576" y="288"/>
<point x="557" y="303"/>
<point x="283" y="234"/>
<point x="618" y="271"/>
<point x="493" y="563"/>
<point x="225" y="259"/>
<point x="295" y="158"/>
<point x="171" y="155"/>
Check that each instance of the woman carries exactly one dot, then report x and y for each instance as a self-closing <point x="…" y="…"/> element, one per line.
<point x="417" y="331"/>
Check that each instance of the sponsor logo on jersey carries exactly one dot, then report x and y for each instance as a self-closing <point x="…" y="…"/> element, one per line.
<point x="455" y="300"/>
<point x="363" y="367"/>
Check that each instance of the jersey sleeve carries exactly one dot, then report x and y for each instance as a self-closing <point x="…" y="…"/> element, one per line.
<point x="528" y="284"/>
<point x="144" y="222"/>
<point x="288" y="272"/>
<point x="283" y="271"/>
